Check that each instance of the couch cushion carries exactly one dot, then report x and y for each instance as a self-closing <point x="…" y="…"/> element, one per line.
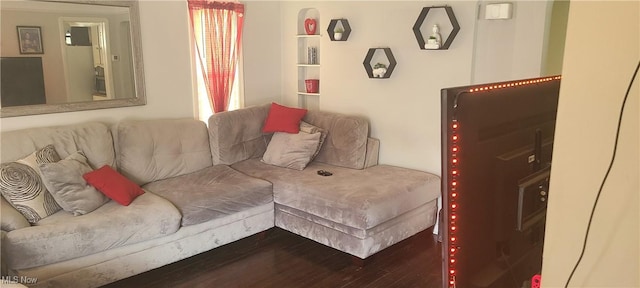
<point x="283" y="119"/>
<point x="357" y="198"/>
<point x="292" y="151"/>
<point x="212" y="193"/>
<point x="63" y="236"/>
<point x="113" y="185"/>
<point x="237" y="135"/>
<point x="157" y="149"/>
<point x="93" y="139"/>
<point x="346" y="141"/>
<point x="64" y="180"/>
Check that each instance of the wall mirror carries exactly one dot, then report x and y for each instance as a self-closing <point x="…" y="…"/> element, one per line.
<point x="72" y="55"/>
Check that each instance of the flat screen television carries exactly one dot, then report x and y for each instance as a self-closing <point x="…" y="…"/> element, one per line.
<point x="21" y="81"/>
<point x="497" y="142"/>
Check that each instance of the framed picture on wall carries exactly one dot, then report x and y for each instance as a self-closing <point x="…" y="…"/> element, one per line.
<point x="30" y="40"/>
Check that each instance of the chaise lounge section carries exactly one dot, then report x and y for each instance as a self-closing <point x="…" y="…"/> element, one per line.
<point x="361" y="209"/>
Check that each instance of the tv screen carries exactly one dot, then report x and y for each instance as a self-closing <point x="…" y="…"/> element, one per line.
<point x="21" y="81"/>
<point x="497" y="142"/>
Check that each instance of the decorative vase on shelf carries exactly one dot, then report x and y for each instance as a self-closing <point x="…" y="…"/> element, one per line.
<point x="310" y="26"/>
<point x="436" y="35"/>
<point x="379" y="70"/>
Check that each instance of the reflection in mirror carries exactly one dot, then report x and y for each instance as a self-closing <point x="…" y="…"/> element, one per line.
<point x="91" y="57"/>
<point x="87" y="63"/>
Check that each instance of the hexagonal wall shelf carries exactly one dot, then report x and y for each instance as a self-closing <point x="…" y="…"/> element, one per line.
<point x="369" y="57"/>
<point x="332" y="26"/>
<point x="423" y="16"/>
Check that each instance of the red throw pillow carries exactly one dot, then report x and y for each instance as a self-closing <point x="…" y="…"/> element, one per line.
<point x="113" y="184"/>
<point x="283" y="119"/>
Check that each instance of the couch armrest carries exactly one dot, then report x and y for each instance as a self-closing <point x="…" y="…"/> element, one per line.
<point x="373" y="150"/>
<point x="237" y="135"/>
<point x="3" y="267"/>
<point x="10" y="217"/>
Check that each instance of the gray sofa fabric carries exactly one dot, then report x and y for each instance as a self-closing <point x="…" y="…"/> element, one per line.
<point x="211" y="193"/>
<point x="63" y="236"/>
<point x="93" y="139"/>
<point x="152" y="150"/>
<point x="387" y="234"/>
<point x="11" y="218"/>
<point x="237" y="135"/>
<point x="346" y="142"/>
<point x="356" y="198"/>
<point x="120" y="262"/>
<point x="363" y="207"/>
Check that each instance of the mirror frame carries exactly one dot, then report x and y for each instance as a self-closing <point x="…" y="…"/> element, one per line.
<point x="138" y="74"/>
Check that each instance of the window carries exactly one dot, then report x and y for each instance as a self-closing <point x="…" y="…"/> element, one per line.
<point x="236" y="101"/>
<point x="217" y="28"/>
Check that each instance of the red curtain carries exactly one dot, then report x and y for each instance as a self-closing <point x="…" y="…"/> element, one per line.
<point x="217" y="30"/>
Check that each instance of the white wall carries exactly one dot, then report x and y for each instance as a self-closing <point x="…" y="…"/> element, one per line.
<point x="404" y="111"/>
<point x="552" y="59"/>
<point x="261" y="52"/>
<point x="167" y="65"/>
<point x="511" y="49"/>
<point x="596" y="75"/>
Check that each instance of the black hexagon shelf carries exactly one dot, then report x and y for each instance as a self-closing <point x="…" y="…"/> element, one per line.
<point x="423" y="16"/>
<point x="332" y="26"/>
<point x="369" y="57"/>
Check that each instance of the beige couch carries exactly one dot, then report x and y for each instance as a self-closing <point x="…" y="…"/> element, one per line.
<point x="205" y="188"/>
<point x="361" y="209"/>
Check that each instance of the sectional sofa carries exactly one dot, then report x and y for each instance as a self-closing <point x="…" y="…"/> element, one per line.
<point x="208" y="186"/>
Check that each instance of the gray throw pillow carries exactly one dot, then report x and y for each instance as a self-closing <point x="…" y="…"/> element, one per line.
<point x="291" y="150"/>
<point x="310" y="129"/>
<point x="21" y="185"/>
<point x="64" y="180"/>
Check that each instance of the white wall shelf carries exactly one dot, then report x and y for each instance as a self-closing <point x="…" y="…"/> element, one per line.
<point x="308" y="61"/>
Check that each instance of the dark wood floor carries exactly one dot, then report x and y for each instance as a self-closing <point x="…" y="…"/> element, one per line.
<point x="283" y="259"/>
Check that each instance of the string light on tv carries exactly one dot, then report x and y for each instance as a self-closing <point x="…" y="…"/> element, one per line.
<point x="514" y="84"/>
<point x="453" y="185"/>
